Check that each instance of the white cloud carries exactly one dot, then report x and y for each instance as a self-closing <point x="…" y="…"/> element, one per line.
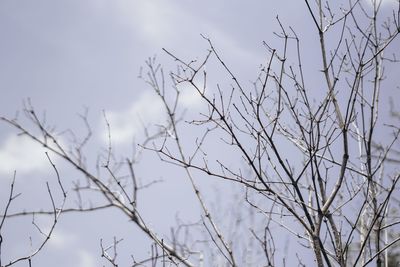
<point x="157" y="18"/>
<point x="153" y="19"/>
<point x="19" y="153"/>
<point x="62" y="241"/>
<point x="147" y="111"/>
<point x="125" y="125"/>
<point x="384" y="2"/>
<point x="189" y="97"/>
<point x="86" y="259"/>
<point x="158" y="21"/>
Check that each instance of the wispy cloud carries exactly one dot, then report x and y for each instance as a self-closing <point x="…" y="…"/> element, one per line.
<point x="189" y="97"/>
<point x="146" y="111"/>
<point x="383" y="2"/>
<point x="127" y="124"/>
<point x="19" y="153"/>
<point x="86" y="259"/>
<point x="152" y="19"/>
<point x="156" y="22"/>
<point x="167" y="23"/>
<point x="61" y="241"/>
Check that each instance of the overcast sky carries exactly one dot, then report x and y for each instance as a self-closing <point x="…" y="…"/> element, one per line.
<point x="66" y="55"/>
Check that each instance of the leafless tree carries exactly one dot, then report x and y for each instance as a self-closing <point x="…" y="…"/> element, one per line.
<point x="318" y="159"/>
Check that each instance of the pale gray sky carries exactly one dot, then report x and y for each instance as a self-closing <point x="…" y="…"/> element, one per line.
<point x="69" y="54"/>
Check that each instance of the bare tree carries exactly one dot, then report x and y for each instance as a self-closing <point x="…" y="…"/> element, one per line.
<point x="317" y="159"/>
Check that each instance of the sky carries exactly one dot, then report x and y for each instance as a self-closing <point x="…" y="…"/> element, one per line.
<point x="69" y="56"/>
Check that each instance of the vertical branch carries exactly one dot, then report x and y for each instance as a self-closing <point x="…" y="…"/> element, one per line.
<point x="171" y="112"/>
<point x="4" y="216"/>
